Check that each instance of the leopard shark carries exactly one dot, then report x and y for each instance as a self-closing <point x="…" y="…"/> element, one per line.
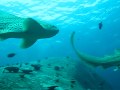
<point x="105" y="61"/>
<point x="28" y="29"/>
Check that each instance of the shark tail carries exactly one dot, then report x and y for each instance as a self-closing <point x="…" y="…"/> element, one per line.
<point x="72" y="43"/>
<point x="73" y="46"/>
<point x="90" y="60"/>
<point x="93" y="61"/>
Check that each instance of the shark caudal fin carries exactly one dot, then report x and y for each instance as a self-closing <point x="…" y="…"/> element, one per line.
<point x="72" y="41"/>
<point x="73" y="46"/>
<point x="91" y="60"/>
<point x="105" y="62"/>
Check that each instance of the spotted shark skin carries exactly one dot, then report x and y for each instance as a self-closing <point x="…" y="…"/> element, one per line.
<point x="28" y="29"/>
<point x="105" y="62"/>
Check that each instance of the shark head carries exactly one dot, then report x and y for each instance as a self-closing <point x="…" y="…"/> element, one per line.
<point x="54" y="31"/>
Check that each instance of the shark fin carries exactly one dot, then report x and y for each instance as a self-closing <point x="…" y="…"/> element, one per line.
<point x="27" y="42"/>
<point x="3" y="38"/>
<point x="30" y="25"/>
<point x="82" y="56"/>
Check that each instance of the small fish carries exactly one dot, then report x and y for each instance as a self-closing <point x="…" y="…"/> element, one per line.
<point x="10" y="55"/>
<point x="52" y="87"/>
<point x="100" y="25"/>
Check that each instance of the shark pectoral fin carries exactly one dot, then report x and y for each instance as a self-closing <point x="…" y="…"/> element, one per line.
<point x="3" y="38"/>
<point x="27" y="42"/>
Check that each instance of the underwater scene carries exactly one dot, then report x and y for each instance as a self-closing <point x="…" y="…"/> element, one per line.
<point x="60" y="45"/>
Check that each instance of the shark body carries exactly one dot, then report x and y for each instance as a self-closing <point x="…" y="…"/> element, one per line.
<point x="105" y="62"/>
<point x="28" y="29"/>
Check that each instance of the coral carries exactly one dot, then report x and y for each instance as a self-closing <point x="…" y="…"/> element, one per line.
<point x="22" y="76"/>
<point x="27" y="71"/>
<point x="12" y="69"/>
<point x="57" y="68"/>
<point x="36" y="66"/>
<point x="52" y="87"/>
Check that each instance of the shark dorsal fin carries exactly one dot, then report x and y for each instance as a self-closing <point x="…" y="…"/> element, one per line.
<point x="30" y="25"/>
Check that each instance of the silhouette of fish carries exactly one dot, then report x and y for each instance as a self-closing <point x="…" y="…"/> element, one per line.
<point x="28" y="29"/>
<point x="100" y="25"/>
<point x="10" y="55"/>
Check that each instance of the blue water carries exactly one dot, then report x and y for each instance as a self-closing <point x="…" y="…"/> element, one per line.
<point x="81" y="16"/>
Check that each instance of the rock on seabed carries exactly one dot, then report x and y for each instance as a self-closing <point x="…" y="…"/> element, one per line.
<point x="68" y="76"/>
